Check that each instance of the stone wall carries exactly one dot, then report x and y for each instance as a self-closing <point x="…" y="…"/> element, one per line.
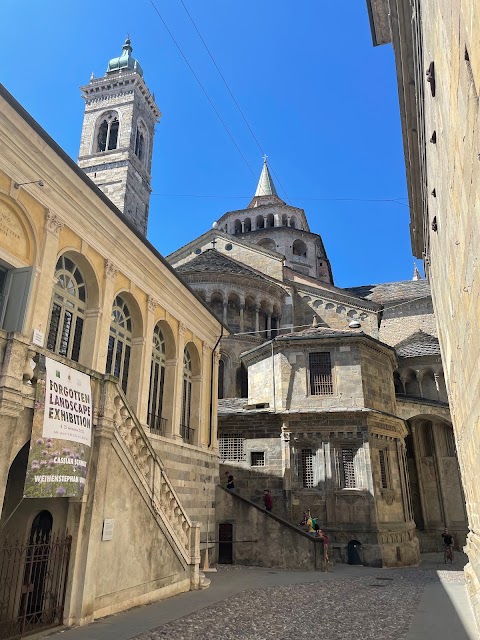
<point x="276" y="543"/>
<point x="400" y="322"/>
<point x="193" y="472"/>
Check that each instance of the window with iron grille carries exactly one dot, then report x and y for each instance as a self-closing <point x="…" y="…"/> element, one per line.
<point x="321" y="383"/>
<point x="258" y="458"/>
<point x="348" y="469"/>
<point x="307" y="468"/>
<point x="383" y="455"/>
<point x="231" y="447"/>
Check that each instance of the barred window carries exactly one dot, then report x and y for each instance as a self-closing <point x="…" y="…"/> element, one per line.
<point x="119" y="342"/>
<point x="348" y="469"/>
<point x="68" y="310"/>
<point x="231" y="447"/>
<point x="321" y="383"/>
<point x="383" y="455"/>
<point x="450" y="450"/>
<point x="307" y="468"/>
<point x="258" y="458"/>
<point x="157" y="381"/>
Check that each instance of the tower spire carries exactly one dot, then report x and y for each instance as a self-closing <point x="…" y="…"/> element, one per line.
<point x="416" y="273"/>
<point x="265" y="185"/>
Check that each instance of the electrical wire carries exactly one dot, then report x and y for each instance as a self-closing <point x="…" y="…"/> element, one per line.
<point x="201" y="86"/>
<point x="193" y="195"/>
<point x="240" y="111"/>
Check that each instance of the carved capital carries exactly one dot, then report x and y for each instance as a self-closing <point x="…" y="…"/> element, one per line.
<point x="205" y="350"/>
<point x="216" y="355"/>
<point x="53" y="223"/>
<point x="181" y="329"/>
<point x="110" y="269"/>
<point x="152" y="304"/>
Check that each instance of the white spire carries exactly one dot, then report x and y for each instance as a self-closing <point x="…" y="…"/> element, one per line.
<point x="416" y="273"/>
<point x="265" y="185"/>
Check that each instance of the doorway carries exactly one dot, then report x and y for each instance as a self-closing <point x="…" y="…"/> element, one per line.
<point x="225" y="543"/>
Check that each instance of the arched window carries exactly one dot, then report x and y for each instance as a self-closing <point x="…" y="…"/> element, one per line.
<point x="107" y="136"/>
<point x="247" y="224"/>
<point x="268" y="243"/>
<point x="68" y="310"/>
<point x="237" y="227"/>
<point x="157" y="382"/>
<point x="185" y="430"/>
<point x="293" y="223"/>
<point x="140" y="142"/>
<point x="270" y="221"/>
<point x="299" y="249"/>
<point x="260" y="222"/>
<point x="119" y="342"/>
<point x="221" y="379"/>
<point x="243" y="381"/>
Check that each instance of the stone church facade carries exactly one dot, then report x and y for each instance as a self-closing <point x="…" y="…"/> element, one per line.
<point x="332" y="398"/>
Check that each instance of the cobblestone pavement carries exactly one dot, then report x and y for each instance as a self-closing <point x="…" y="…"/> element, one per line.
<point x="377" y="606"/>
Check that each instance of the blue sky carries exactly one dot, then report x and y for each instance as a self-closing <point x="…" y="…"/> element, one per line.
<point x="319" y="97"/>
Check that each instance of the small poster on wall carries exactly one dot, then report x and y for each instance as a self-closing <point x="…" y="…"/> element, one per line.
<point x="61" y="432"/>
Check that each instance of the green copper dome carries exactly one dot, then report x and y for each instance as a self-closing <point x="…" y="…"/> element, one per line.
<point x="125" y="60"/>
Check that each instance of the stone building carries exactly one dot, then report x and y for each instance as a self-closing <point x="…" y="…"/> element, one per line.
<point x="82" y="288"/>
<point x="344" y="416"/>
<point x="438" y="73"/>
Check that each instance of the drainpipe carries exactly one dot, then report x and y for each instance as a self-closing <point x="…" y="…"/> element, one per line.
<point x="211" y="387"/>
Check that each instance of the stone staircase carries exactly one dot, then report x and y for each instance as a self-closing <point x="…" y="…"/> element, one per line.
<point x="164" y="501"/>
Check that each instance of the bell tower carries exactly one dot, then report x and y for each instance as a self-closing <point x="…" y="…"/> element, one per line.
<point x="117" y="136"/>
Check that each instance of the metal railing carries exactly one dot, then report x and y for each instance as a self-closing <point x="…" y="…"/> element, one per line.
<point x="157" y="425"/>
<point x="33" y="580"/>
<point x="187" y="433"/>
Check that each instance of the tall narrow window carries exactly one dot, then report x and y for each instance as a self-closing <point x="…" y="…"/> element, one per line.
<point x="307" y="468"/>
<point x="119" y="342"/>
<point x="321" y="383"/>
<point x="348" y="469"/>
<point x="68" y="310"/>
<point x="140" y="143"/>
<point x="186" y="431"/>
<point x="157" y="380"/>
<point x="221" y="379"/>
<point x="243" y="376"/>
<point x="107" y="137"/>
<point x="383" y="456"/>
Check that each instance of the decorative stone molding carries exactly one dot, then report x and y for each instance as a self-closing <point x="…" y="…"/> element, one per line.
<point x="53" y="223"/>
<point x="205" y="350"/>
<point x="181" y="329"/>
<point x="388" y="495"/>
<point x="110" y="269"/>
<point x="152" y="304"/>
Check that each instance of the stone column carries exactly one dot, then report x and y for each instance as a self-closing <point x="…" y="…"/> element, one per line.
<point x="144" y="383"/>
<point x="177" y="408"/>
<point x="417" y="454"/>
<point x="242" y="313"/>
<point x="440" y="475"/>
<point x="45" y="279"/>
<point x="419" y="376"/>
<point x="269" y="325"/>
<point x="87" y="543"/>
<point x="257" y="320"/>
<point x="100" y="357"/>
<point x="225" y="309"/>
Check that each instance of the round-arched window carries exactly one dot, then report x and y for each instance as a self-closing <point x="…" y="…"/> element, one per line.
<point x="107" y="132"/>
<point x="119" y="342"/>
<point x="68" y="310"/>
<point x="186" y="431"/>
<point x="157" y="382"/>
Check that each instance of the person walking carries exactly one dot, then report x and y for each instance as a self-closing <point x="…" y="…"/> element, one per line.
<point x="267" y="499"/>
